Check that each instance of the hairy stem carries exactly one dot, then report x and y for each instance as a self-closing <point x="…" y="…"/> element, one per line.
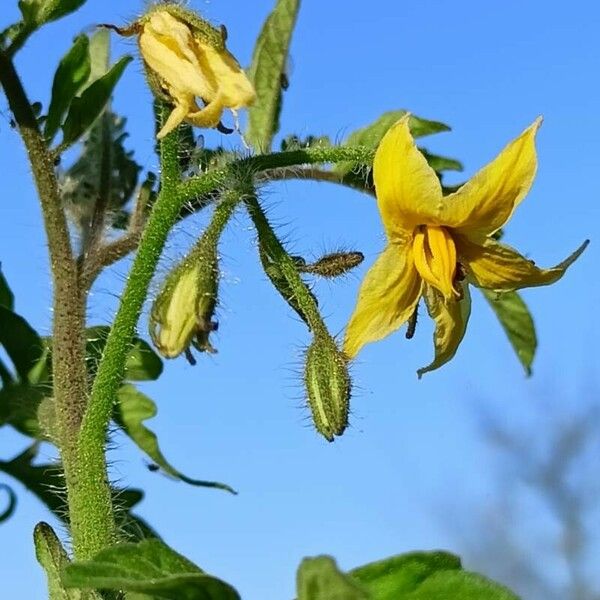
<point x="90" y="530"/>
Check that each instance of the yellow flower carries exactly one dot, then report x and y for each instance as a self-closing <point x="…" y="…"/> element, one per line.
<point x="437" y="244"/>
<point x="188" y="66"/>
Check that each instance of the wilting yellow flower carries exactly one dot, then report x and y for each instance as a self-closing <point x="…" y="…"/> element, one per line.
<point x="437" y="244"/>
<point x="189" y="65"/>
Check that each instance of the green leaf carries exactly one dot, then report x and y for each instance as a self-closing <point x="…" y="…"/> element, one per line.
<point x="459" y="585"/>
<point x="319" y="579"/>
<point x="20" y="340"/>
<point x="37" y="12"/>
<point x="53" y="558"/>
<point x="142" y="364"/>
<point x="85" y="109"/>
<point x="7" y="298"/>
<point x="268" y="67"/>
<point x="393" y="577"/>
<point x="149" y="567"/>
<point x="132" y="409"/>
<point x="12" y="503"/>
<point x="517" y="322"/>
<point x="441" y="163"/>
<point x="371" y="135"/>
<point x="72" y="72"/>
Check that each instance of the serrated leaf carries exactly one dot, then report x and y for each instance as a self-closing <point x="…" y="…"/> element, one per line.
<point x="21" y="342"/>
<point x="12" y="503"/>
<point x="268" y="67"/>
<point x="53" y="558"/>
<point x="319" y="579"/>
<point x="459" y="585"/>
<point x="142" y="364"/>
<point x="517" y="322"/>
<point x="85" y="109"/>
<point x="393" y="577"/>
<point x="72" y="73"/>
<point x="7" y="298"/>
<point x="149" y="567"/>
<point x="132" y="409"/>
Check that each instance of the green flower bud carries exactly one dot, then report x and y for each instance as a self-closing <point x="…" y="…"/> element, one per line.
<point x="183" y="310"/>
<point x="333" y="264"/>
<point x="328" y="386"/>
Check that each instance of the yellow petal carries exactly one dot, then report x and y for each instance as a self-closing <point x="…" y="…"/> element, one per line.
<point x="496" y="266"/>
<point x="486" y="202"/>
<point x="234" y="87"/>
<point x="209" y="116"/>
<point x="387" y="298"/>
<point x="177" y="115"/>
<point x="408" y="190"/>
<point x="171" y="55"/>
<point x="451" y="320"/>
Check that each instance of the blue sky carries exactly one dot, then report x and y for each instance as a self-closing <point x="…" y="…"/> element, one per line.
<point x="488" y="69"/>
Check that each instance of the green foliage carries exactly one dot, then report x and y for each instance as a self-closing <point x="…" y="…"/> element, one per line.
<point x="38" y="12"/>
<point x="73" y="71"/>
<point x="19" y="405"/>
<point x="7" y="298"/>
<point x="87" y="107"/>
<point x="132" y="409"/>
<point x="517" y="322"/>
<point x="319" y="579"/>
<point x="12" y="503"/>
<point x="413" y="576"/>
<point x="149" y="567"/>
<point x="266" y="72"/>
<point x="21" y="342"/>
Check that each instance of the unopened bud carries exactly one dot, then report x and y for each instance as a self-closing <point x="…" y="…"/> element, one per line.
<point x="328" y="386"/>
<point x="183" y="310"/>
<point x="333" y="264"/>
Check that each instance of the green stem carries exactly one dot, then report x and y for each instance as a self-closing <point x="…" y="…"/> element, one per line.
<point x="89" y="531"/>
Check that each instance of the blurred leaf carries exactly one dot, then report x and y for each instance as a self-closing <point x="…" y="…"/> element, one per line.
<point x="132" y="409"/>
<point x="85" y="109"/>
<point x="293" y="142"/>
<point x="142" y="364"/>
<point x="7" y="298"/>
<point x="72" y="72"/>
<point x="268" y="67"/>
<point x="394" y="577"/>
<point x="99" y="54"/>
<point x="517" y="322"/>
<point x="19" y="408"/>
<point x="132" y="527"/>
<point x="319" y="579"/>
<point x="21" y="342"/>
<point x="459" y="585"/>
<point x="53" y="558"/>
<point x="149" y="567"/>
<point x="12" y="503"/>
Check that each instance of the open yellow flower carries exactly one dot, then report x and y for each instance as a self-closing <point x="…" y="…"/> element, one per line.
<point x="188" y="66"/>
<point x="438" y="244"/>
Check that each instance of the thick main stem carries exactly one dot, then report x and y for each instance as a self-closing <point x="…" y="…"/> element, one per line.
<point x="90" y="530"/>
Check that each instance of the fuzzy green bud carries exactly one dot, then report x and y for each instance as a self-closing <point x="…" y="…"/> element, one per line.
<point x="333" y="264"/>
<point x="328" y="386"/>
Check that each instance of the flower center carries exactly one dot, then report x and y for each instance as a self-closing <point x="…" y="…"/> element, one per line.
<point x="435" y="258"/>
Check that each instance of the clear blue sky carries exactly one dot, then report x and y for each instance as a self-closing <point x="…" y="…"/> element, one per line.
<point x="485" y="68"/>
